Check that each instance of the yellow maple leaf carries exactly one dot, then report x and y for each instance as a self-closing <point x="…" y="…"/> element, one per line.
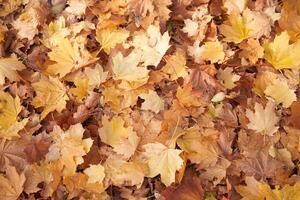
<point x="263" y="120"/>
<point x="123" y="139"/>
<point x="254" y="190"/>
<point x="281" y="93"/>
<point x="110" y="36"/>
<point x="176" y="65"/>
<point x="210" y="51"/>
<point x="9" y="110"/>
<point x="50" y="94"/>
<point x="126" y="69"/>
<point x="262" y="81"/>
<point x="11" y="185"/>
<point x="9" y="68"/>
<point x="258" y="190"/>
<point x="162" y="160"/>
<point x="228" y="78"/>
<point x="152" y="102"/>
<point x="81" y="90"/>
<point x="95" y="173"/>
<point x="245" y="25"/>
<point x="68" y="147"/>
<point x="236" y="29"/>
<point x="281" y="54"/>
<point x="68" y="57"/>
<point x="186" y="96"/>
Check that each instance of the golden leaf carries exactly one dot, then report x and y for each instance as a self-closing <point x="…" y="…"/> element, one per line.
<point x="9" y="68"/>
<point x="186" y="96"/>
<point x="152" y="102"/>
<point x="50" y="94"/>
<point x="81" y="90"/>
<point x="110" y="36"/>
<point x="95" y="173"/>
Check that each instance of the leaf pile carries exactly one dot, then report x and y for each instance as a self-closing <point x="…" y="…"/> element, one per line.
<point x="150" y="99"/>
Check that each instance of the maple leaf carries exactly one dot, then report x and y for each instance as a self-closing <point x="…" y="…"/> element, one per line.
<point x="9" y="110"/>
<point x="211" y="51"/>
<point x="162" y="160"/>
<point x="190" y="27"/>
<point x="12" y="153"/>
<point x="11" y="185"/>
<point x="201" y="148"/>
<point x="251" y="50"/>
<point x="110" y="36"/>
<point x="263" y="120"/>
<point x="68" y="57"/>
<point x="68" y="147"/>
<point x="176" y="65"/>
<point x="126" y="69"/>
<point x="124" y="173"/>
<point x="9" y="68"/>
<point x="81" y="90"/>
<point x="235" y="5"/>
<point x="186" y="96"/>
<point x="152" y="102"/>
<point x="27" y="23"/>
<point x="123" y="140"/>
<point x="239" y="27"/>
<point x="189" y="188"/>
<point x="36" y="174"/>
<point x="152" y="46"/>
<point x="95" y="75"/>
<point x="253" y="190"/>
<point x="95" y="173"/>
<point x="228" y="78"/>
<point x="256" y="190"/>
<point x="281" y="54"/>
<point x="281" y="93"/>
<point x="50" y="94"/>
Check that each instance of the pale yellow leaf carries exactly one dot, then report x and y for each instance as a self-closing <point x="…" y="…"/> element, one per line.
<point x="263" y="120"/>
<point x="95" y="75"/>
<point x="81" y="90"/>
<point x="190" y="27"/>
<point x="95" y="173"/>
<point x="152" y="102"/>
<point x="162" y="160"/>
<point x="281" y="93"/>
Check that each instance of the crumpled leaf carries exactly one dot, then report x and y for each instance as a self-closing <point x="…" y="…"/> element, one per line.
<point x="50" y="94"/>
<point x="68" y="147"/>
<point x="263" y="120"/>
<point x="11" y="185"/>
<point x="176" y="65"/>
<point x="162" y="160"/>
